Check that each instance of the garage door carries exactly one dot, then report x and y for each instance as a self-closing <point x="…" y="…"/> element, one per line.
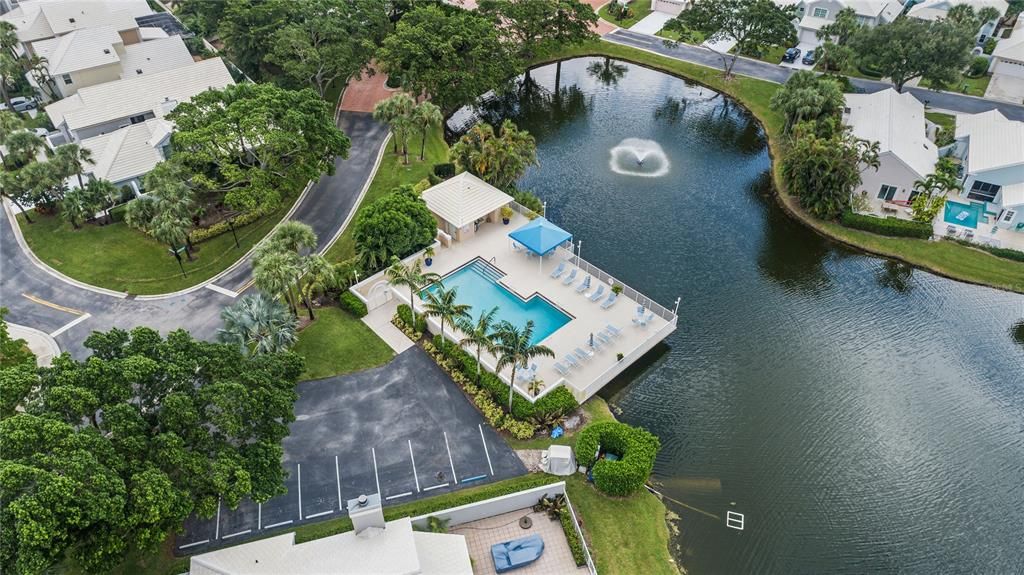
<point x="1009" y="68"/>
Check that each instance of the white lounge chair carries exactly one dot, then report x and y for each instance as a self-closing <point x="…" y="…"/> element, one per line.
<point x="603" y="338"/>
<point x="583" y="355"/>
<point x="559" y="270"/>
<point x="571" y="360"/>
<point x="612" y="298"/>
<point x="583" y="286"/>
<point x="597" y="294"/>
<point x="571" y="277"/>
<point x="612" y="330"/>
<point x="561" y="369"/>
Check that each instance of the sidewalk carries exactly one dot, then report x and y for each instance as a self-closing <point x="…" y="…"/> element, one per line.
<point x="43" y="346"/>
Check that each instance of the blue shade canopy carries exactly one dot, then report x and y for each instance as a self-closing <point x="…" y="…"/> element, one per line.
<point x="540" y="236"/>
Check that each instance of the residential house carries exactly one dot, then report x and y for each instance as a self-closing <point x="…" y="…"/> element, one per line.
<point x="103" y="108"/>
<point x="670" y="7"/>
<point x="1007" y="67"/>
<point x="991" y="150"/>
<point x="816" y="14"/>
<point x="97" y="55"/>
<point x="936" y="9"/>
<point x="897" y="122"/>
<point x="36" y="20"/>
<point x="124" y="156"/>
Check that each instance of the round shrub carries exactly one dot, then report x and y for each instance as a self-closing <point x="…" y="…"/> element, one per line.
<point x="979" y="65"/>
<point x="636" y="448"/>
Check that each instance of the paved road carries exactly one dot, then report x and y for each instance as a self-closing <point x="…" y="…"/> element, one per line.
<point x="402" y="428"/>
<point x="39" y="300"/>
<point x="776" y="73"/>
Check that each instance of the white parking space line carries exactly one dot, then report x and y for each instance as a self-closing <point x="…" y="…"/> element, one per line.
<point x="482" y="440"/>
<point x="373" y="452"/>
<point x="337" y="476"/>
<point x="187" y="545"/>
<point x="259" y="516"/>
<point x="247" y="531"/>
<point x="298" y="471"/>
<point x="390" y="497"/>
<point x="70" y="325"/>
<point x="289" y="522"/>
<point x="321" y="514"/>
<point x="217" y="535"/>
<point x="450" y="461"/>
<point x="414" y="474"/>
<point x="220" y="290"/>
<point x="432" y="487"/>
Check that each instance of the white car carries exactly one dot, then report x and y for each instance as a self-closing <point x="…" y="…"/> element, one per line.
<point x="20" y="104"/>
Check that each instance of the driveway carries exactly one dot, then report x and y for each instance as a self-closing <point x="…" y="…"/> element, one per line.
<point x="1006" y="88"/>
<point x="651" y="23"/>
<point x="804" y="47"/>
<point x="404" y="430"/>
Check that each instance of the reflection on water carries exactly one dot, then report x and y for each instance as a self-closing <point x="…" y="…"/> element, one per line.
<point x="864" y="416"/>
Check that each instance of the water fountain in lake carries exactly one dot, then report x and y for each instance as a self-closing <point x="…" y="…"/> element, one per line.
<point x="639" y="157"/>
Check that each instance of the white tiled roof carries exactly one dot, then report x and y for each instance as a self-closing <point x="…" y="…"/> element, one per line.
<point x="1012" y="48"/>
<point x="151" y="33"/>
<point x="154" y="57"/>
<point x="79" y="50"/>
<point x="993" y="141"/>
<point x="935" y="9"/>
<point x="40" y="19"/>
<point x="811" y="23"/>
<point x="896" y="121"/>
<point x="463" y="199"/>
<point x="127" y="153"/>
<point x="111" y="101"/>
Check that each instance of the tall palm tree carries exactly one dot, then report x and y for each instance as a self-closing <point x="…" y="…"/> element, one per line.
<point x="102" y="194"/>
<point x="73" y="159"/>
<point x="425" y="116"/>
<point x="319" y="275"/>
<point x="514" y="349"/>
<point x="139" y="213"/>
<point x="410" y="276"/>
<point x="275" y="273"/>
<point x="75" y="207"/>
<point x="295" y="238"/>
<point x="9" y="123"/>
<point x="172" y="230"/>
<point x="39" y="68"/>
<point x="395" y="112"/>
<point x="22" y="147"/>
<point x="480" y="333"/>
<point x="258" y="324"/>
<point x="441" y="303"/>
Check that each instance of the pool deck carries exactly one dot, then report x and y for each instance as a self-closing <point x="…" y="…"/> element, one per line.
<point x="986" y="233"/>
<point x="526" y="275"/>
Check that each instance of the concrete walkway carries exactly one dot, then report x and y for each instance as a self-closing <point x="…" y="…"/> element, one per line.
<point x="41" y="344"/>
<point x="651" y="23"/>
<point x="379" y="320"/>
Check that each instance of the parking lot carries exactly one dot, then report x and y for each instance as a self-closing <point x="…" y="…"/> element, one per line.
<point x="403" y="430"/>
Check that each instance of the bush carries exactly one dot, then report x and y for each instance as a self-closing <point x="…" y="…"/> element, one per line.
<point x="979" y="65"/>
<point x="575" y="545"/>
<point x="990" y="46"/>
<point x="530" y="201"/>
<point x="636" y="448"/>
<point x="405" y="314"/>
<point x="352" y="304"/>
<point x="445" y="170"/>
<point x="518" y="429"/>
<point x="1004" y="253"/>
<point x="396" y="224"/>
<point x="887" y="226"/>
<point x="870" y="72"/>
<point x="200" y="235"/>
<point x="393" y="82"/>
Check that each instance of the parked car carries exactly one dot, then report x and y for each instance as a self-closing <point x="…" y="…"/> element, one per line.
<point x="809" y="58"/>
<point x="20" y="104"/>
<point x="791" y="55"/>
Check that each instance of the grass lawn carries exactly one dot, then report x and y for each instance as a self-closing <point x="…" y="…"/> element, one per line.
<point x="338" y="343"/>
<point x="966" y="85"/>
<point x="120" y="258"/>
<point x="698" y="38"/>
<point x="595" y="408"/>
<point x="945" y="121"/>
<point x="390" y="174"/>
<point x="640" y="9"/>
<point x="772" y="55"/>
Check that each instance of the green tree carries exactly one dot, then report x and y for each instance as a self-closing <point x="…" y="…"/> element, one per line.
<point x="396" y="111"/>
<point x="13" y="352"/>
<point x="835" y="52"/>
<point x="248" y="29"/>
<point x="823" y="170"/>
<point x="274" y="273"/>
<point x="410" y="276"/>
<point x="481" y="334"/>
<point x="247" y="142"/>
<point x="451" y="54"/>
<point x="73" y="158"/>
<point x="116" y="451"/>
<point x="443" y="304"/>
<point x="15" y="187"/>
<point x="424" y="117"/>
<point x="101" y="195"/>
<point x="75" y="207"/>
<point x="45" y="183"/>
<point x="328" y="40"/>
<point x="139" y="213"/>
<point x="298" y="239"/>
<point x="257" y="324"/>
<point x="807" y="97"/>
<point x="319" y="275"/>
<point x="930" y="193"/>
<point x="10" y="122"/>
<point x="498" y="159"/>
<point x="172" y="229"/>
<point x="753" y="24"/>
<point x="397" y="224"/>
<point x="537" y="27"/>
<point x="22" y="147"/>
<point x="909" y="48"/>
<point x="10" y="69"/>
<point x="515" y="348"/>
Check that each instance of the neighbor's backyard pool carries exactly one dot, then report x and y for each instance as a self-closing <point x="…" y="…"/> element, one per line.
<point x="966" y="215"/>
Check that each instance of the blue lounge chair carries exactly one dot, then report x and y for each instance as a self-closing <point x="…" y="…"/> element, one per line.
<point x="612" y="330"/>
<point x="583" y="286"/>
<point x="559" y="270"/>
<point x="582" y="355"/>
<point x="516" y="553"/>
<point x="571" y="360"/>
<point x="612" y="298"/>
<point x="642" y="321"/>
<point x="603" y="338"/>
<point x="597" y="294"/>
<point x="571" y="277"/>
<point x="561" y="369"/>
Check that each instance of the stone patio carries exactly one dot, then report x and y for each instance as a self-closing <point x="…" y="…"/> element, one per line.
<point x="481" y="535"/>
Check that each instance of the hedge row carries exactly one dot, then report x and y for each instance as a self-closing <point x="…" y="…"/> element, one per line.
<point x="636" y="448"/>
<point x="1004" y="253"/>
<point x="200" y="235"/>
<point x="405" y="315"/>
<point x="350" y="303"/>
<point x="575" y="545"/>
<point x="890" y="226"/>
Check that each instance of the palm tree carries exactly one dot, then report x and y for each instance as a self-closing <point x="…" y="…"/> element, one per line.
<point x="497" y="158"/>
<point x="293" y="237"/>
<point x="441" y="303"/>
<point x="395" y="112"/>
<point x="22" y="147"/>
<point x="73" y="158"/>
<point x="320" y="276"/>
<point x="172" y="230"/>
<point x="275" y="273"/>
<point x="410" y="276"/>
<point x="807" y="96"/>
<point x="515" y="348"/>
<point x="258" y="324"/>
<point x="75" y="207"/>
<point x="481" y="334"/>
<point x="9" y="123"/>
<point x="139" y="213"/>
<point x="39" y="68"/>
<point x="425" y="116"/>
<point x="101" y="195"/>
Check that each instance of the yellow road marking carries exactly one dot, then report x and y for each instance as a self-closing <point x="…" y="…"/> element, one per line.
<point x="247" y="285"/>
<point x="42" y="301"/>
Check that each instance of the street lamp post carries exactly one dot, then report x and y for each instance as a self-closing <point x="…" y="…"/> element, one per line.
<point x="176" y="252"/>
<point x="231" y="226"/>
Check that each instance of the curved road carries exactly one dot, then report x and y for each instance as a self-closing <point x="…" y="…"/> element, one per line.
<point x="70" y="312"/>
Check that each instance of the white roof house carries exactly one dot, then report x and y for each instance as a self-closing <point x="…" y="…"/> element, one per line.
<point x="896" y="121"/>
<point x="394" y="550"/>
<point x="80" y="50"/>
<point x="129" y="153"/>
<point x="94" y="110"/>
<point x="993" y="141"/>
<point x="815" y="14"/>
<point x="1012" y="48"/>
<point x="462" y="200"/>
<point x="41" y="19"/>
<point x="935" y="9"/>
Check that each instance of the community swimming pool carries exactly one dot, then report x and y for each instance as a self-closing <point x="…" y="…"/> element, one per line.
<point x="477" y="284"/>
<point x="966" y="215"/>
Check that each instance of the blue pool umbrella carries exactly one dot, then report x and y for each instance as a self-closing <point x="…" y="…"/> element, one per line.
<point x="540" y="236"/>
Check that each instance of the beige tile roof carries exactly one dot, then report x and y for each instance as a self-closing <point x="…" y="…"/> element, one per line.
<point x="127" y="153"/>
<point x="1012" y="48"/>
<point x="80" y="50"/>
<point x="896" y="121"/>
<point x="463" y="199"/>
<point x="111" y="101"/>
<point x="154" y="57"/>
<point x="993" y="141"/>
<point x="935" y="9"/>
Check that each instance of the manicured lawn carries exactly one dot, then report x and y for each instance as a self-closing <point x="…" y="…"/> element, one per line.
<point x="945" y="121"/>
<point x="338" y="343"/>
<point x="640" y="9"/>
<point x="390" y="174"/>
<point x="966" y="85"/>
<point x="120" y="258"/>
<point x="595" y="408"/>
<point x="773" y="55"/>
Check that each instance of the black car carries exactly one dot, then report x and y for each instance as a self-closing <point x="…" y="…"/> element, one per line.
<point x="791" y="55"/>
<point x="808" y="58"/>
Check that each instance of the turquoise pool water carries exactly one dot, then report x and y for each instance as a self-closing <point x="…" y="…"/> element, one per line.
<point x="966" y="215"/>
<point x="478" y="286"/>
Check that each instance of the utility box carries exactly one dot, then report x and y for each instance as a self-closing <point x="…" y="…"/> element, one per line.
<point x="366" y="511"/>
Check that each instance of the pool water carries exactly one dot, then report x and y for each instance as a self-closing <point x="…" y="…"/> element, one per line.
<point x="478" y="287"/>
<point x="966" y="215"/>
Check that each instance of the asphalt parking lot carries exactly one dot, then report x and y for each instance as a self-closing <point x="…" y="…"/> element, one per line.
<point x="403" y="430"/>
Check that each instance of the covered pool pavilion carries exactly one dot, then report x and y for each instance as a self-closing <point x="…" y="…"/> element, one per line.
<point x="540" y="237"/>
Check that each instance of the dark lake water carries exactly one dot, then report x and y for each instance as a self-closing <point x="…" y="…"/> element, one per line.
<point x="863" y="416"/>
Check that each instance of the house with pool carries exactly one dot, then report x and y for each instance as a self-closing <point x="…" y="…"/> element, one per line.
<point x="990" y="208"/>
<point x="531" y="270"/>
